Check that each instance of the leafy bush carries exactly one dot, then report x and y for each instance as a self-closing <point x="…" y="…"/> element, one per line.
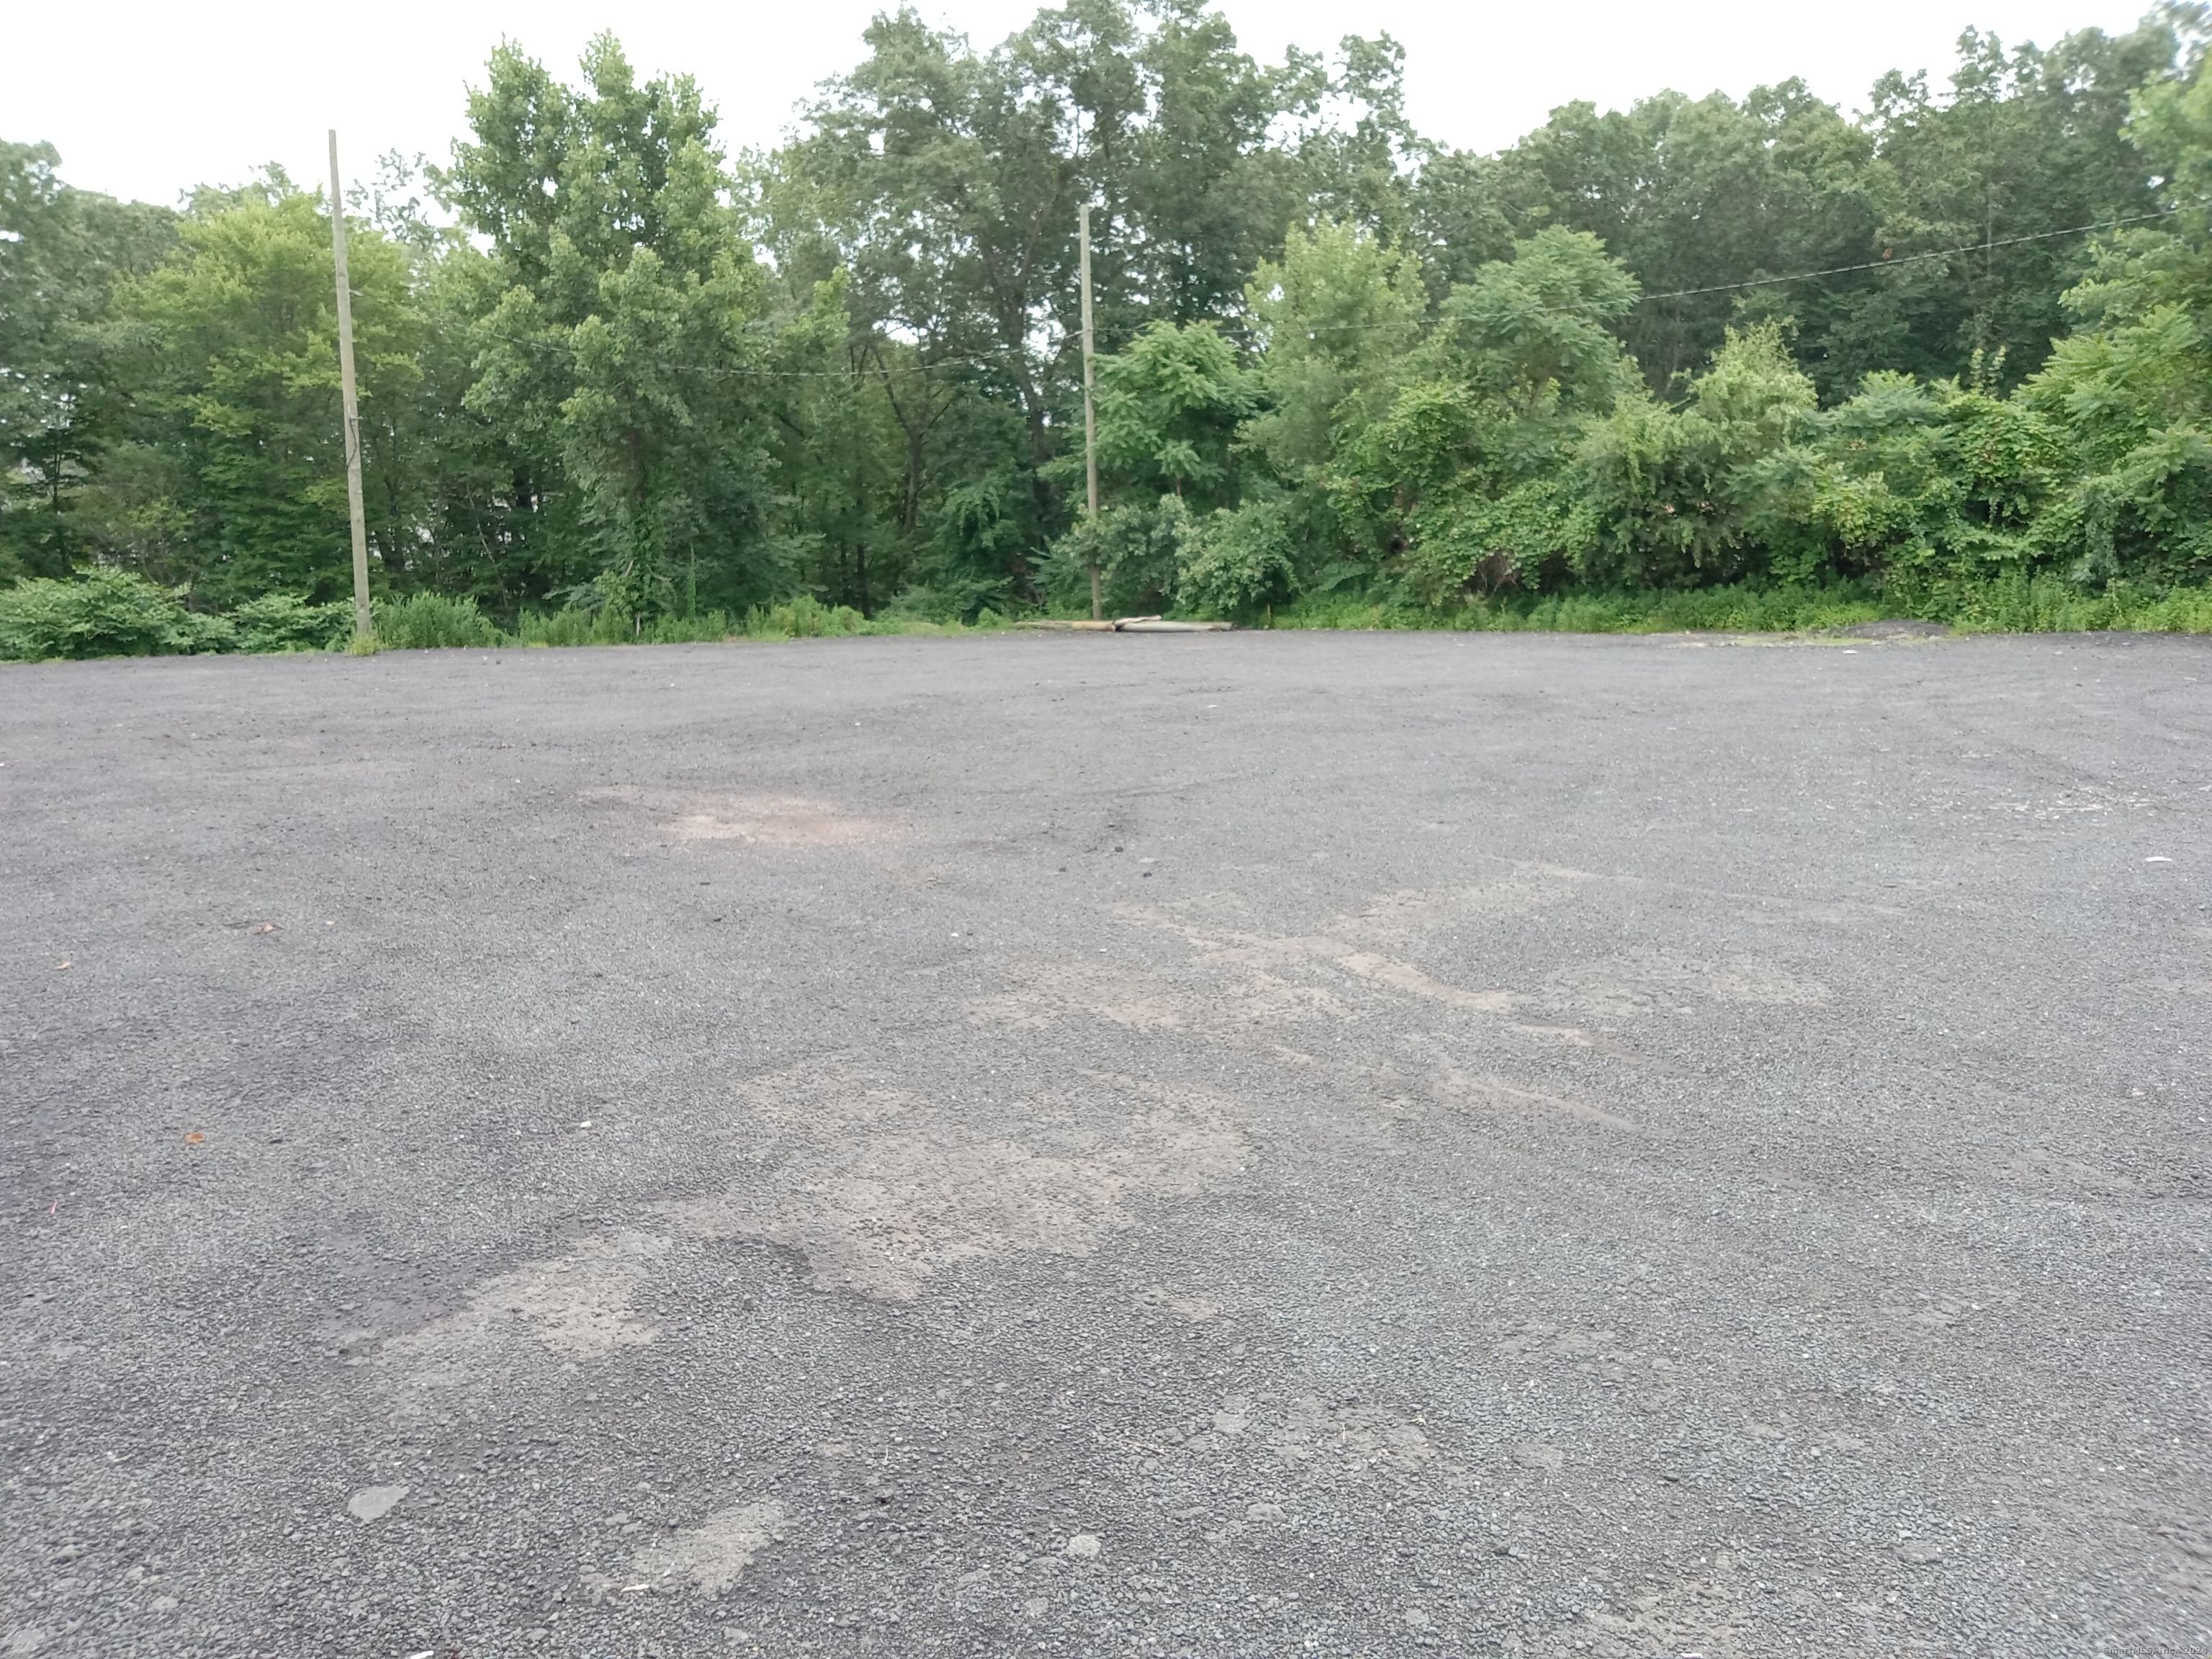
<point x="1665" y="484"/>
<point x="1138" y="547"/>
<point x="1527" y="538"/>
<point x="2150" y="516"/>
<point x="1169" y="404"/>
<point x="426" y="621"/>
<point x="277" y="622"/>
<point x="1230" y="563"/>
<point x="103" y="613"/>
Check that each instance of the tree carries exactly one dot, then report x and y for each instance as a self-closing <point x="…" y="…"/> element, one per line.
<point x="1335" y="320"/>
<point x="1696" y="195"/>
<point x="65" y="396"/>
<point x="1692" y="341"/>
<point x="1168" y="410"/>
<point x="620" y="359"/>
<point x="2131" y="388"/>
<point x="1168" y="407"/>
<point x="2028" y="141"/>
<point x="1457" y="481"/>
<point x="947" y="182"/>
<point x="240" y="387"/>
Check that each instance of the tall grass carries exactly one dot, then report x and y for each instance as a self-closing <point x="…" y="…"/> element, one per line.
<point x="560" y="628"/>
<point x="808" y="618"/>
<point x="606" y="626"/>
<point x="425" y="621"/>
<point x="687" y="630"/>
<point x="2020" y="604"/>
<point x="1721" y="609"/>
<point x="2013" y="604"/>
<point x="804" y="618"/>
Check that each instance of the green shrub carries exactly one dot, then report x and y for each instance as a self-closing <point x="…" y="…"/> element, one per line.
<point x="615" y="624"/>
<point x="426" y="621"/>
<point x="103" y="613"/>
<point x="1138" y="547"/>
<point x="1665" y="485"/>
<point x="277" y="622"/>
<point x="1475" y="546"/>
<point x="1230" y="563"/>
<point x="609" y="626"/>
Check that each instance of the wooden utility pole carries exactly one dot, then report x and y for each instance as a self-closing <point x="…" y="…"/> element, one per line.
<point x="1090" y="414"/>
<point x="363" y="621"/>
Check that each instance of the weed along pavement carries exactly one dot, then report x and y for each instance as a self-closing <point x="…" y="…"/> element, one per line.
<point x="1243" y="1144"/>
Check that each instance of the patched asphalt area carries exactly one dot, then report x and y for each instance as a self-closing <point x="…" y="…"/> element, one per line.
<point x="1227" y="1144"/>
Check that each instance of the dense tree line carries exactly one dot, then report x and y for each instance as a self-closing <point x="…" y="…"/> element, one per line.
<point x="607" y="367"/>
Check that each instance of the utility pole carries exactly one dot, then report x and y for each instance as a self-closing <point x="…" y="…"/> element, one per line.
<point x="363" y="621"/>
<point x="1090" y="414"/>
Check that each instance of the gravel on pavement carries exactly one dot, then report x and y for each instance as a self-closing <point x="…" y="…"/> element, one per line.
<point x="1227" y="1145"/>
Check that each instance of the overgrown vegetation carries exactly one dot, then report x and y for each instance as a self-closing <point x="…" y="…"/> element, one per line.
<point x="618" y="387"/>
<point x="113" y="613"/>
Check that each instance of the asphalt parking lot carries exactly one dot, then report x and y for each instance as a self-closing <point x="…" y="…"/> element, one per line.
<point x="1239" y="1145"/>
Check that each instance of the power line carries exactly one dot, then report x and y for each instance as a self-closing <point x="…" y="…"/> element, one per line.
<point x="1062" y="340"/>
<point x="1912" y="258"/>
<point x="1768" y="281"/>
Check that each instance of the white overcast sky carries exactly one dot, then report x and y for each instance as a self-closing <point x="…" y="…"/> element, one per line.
<point x="147" y="99"/>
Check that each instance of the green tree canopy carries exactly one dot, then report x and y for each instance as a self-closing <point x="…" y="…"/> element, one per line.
<point x="238" y="329"/>
<point x="1963" y="337"/>
<point x="620" y="359"/>
<point x="64" y="393"/>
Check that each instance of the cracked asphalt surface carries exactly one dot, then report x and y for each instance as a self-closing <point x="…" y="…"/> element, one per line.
<point x="1227" y="1144"/>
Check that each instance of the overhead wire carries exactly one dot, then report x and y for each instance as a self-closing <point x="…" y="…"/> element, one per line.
<point x="1063" y="339"/>
<point x="1886" y="263"/>
<point x="1795" y="276"/>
